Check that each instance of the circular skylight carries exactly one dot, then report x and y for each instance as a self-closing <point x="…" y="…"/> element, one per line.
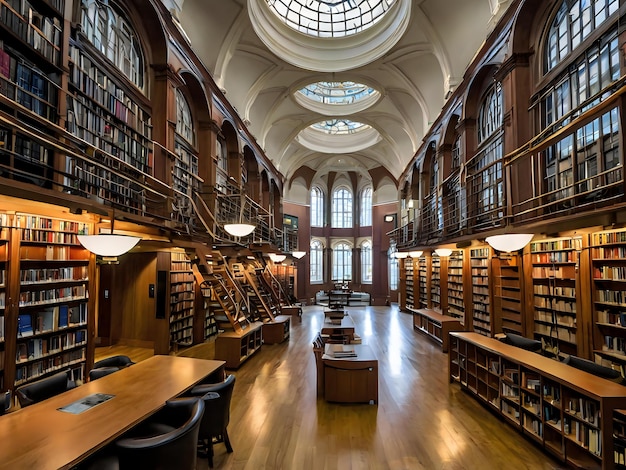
<point x="339" y="126"/>
<point x="337" y="93"/>
<point x="330" y="18"/>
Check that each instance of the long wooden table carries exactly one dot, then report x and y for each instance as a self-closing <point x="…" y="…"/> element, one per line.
<point x="42" y="437"/>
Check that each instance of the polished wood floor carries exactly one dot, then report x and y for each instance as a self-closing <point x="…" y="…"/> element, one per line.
<point x="421" y="421"/>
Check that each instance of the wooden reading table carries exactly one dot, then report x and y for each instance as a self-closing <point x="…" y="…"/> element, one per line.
<point x="338" y="329"/>
<point x="43" y="437"/>
<point x="350" y="379"/>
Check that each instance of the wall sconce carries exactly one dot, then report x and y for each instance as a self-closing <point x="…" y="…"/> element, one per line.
<point x="390" y="217"/>
<point x="298" y="254"/>
<point x="401" y="254"/>
<point x="415" y="254"/>
<point x="443" y="252"/>
<point x="276" y="258"/>
<point x="509" y="241"/>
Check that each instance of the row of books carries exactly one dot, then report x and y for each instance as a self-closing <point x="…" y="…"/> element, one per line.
<point x="41" y="32"/>
<point x="46" y="223"/>
<point x="584" y="409"/>
<point x="614" y="344"/>
<point x="556" y="245"/>
<point x="556" y="291"/>
<point x="618" y="236"/>
<point x="611" y="318"/>
<point x="615" y="252"/>
<point x="557" y="272"/>
<point x="179" y="287"/>
<point x="617" y="273"/>
<point x="611" y="296"/>
<point x="555" y="257"/>
<point x="559" y="332"/>
<point x="47" y="236"/>
<point x="587" y="437"/>
<point x="559" y="305"/>
<point x="38" y="368"/>
<point x="38" y="348"/>
<point x="555" y="318"/>
<point x="60" y="294"/>
<point x="98" y="181"/>
<point x="87" y="77"/>
<point x="32" y="276"/>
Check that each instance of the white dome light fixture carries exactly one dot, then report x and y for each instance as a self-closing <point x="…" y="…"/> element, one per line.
<point x="443" y="252"/>
<point x="401" y="254"/>
<point x="509" y="242"/>
<point x="108" y="245"/>
<point x="298" y="254"/>
<point x="276" y="258"/>
<point x="415" y="254"/>
<point x="239" y="230"/>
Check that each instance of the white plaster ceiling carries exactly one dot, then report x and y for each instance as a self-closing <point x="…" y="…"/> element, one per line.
<point x="414" y="78"/>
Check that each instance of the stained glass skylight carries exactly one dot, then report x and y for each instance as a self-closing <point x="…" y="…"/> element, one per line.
<point x="339" y="126"/>
<point x="337" y="93"/>
<point x="330" y="18"/>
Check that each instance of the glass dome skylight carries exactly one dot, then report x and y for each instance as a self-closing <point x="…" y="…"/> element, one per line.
<point x="337" y="93"/>
<point x="339" y="126"/>
<point x="330" y="18"/>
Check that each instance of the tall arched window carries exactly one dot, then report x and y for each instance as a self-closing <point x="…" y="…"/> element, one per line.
<point x="342" y="263"/>
<point x="485" y="178"/>
<point x="112" y="35"/>
<point x="316" y="259"/>
<point x="317" y="207"/>
<point x="366" y="207"/>
<point x="185" y="172"/>
<point x="366" y="262"/>
<point x="394" y="273"/>
<point x="573" y="23"/>
<point x="221" y="173"/>
<point x="342" y="208"/>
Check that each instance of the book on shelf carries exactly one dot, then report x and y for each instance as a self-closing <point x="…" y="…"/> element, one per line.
<point x="24" y="325"/>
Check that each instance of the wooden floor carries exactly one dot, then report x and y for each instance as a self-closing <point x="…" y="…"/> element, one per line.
<point x="421" y="422"/>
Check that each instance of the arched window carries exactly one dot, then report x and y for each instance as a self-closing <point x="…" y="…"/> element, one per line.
<point x="366" y="207"/>
<point x="342" y="263"/>
<point x="185" y="179"/>
<point x="221" y="174"/>
<point x="317" y="207"/>
<point x="366" y="262"/>
<point x="574" y="22"/>
<point x="485" y="178"/>
<point x="342" y="208"/>
<point x="394" y="273"/>
<point x="112" y="35"/>
<point x="316" y="259"/>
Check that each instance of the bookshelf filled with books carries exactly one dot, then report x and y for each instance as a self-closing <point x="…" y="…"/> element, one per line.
<point x="608" y="260"/>
<point x="568" y="413"/>
<point x="435" y="283"/>
<point x="508" y="294"/>
<point x="102" y="112"/>
<point x="555" y="285"/>
<point x="182" y="298"/>
<point x="53" y="302"/>
<point x="423" y="279"/>
<point x="481" y="306"/>
<point x="4" y="240"/>
<point x="456" y="292"/>
<point x="409" y="302"/>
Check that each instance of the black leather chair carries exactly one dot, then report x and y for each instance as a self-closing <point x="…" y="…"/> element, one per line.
<point x="167" y="440"/>
<point x="596" y="369"/>
<point x="101" y="372"/>
<point x="44" y="388"/>
<point x="114" y="361"/>
<point x="216" y="416"/>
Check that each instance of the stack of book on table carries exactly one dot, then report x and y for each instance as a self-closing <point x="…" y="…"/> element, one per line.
<point x="342" y="350"/>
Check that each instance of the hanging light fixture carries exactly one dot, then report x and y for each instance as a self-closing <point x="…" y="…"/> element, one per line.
<point x="443" y="252"/>
<point x="276" y="258"/>
<point x="415" y="254"/>
<point x="298" y="254"/>
<point x="401" y="254"/>
<point x="108" y="245"/>
<point x="509" y="241"/>
<point x="240" y="228"/>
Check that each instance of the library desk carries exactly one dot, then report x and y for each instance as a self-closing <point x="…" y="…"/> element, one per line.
<point x="43" y="437"/>
<point x="351" y="379"/>
<point x="293" y="310"/>
<point x="436" y="325"/>
<point x="338" y="329"/>
<point x="278" y="330"/>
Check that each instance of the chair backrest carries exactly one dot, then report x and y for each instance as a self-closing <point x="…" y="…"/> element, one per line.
<point x="595" y="369"/>
<point x="318" y="352"/>
<point x="175" y="449"/>
<point x="42" y="389"/>
<point x="119" y="361"/>
<point x="217" y="414"/>
<point x="523" y="342"/>
<point x="101" y="372"/>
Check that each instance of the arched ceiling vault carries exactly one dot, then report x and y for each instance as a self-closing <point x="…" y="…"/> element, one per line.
<point x="414" y="78"/>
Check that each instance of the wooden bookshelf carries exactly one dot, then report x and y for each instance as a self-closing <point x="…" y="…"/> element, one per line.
<point x="555" y="293"/>
<point x="508" y="295"/>
<point x="435" y="283"/>
<point x="235" y="347"/>
<point x="568" y="412"/>
<point x="608" y="264"/>
<point x="54" y="279"/>
<point x="4" y="240"/>
<point x="456" y="291"/>
<point x="409" y="276"/>
<point x="481" y="306"/>
<point x="423" y="280"/>
<point x="209" y="325"/>
<point x="182" y="298"/>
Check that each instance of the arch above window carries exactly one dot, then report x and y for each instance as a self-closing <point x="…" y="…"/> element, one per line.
<point x="106" y="28"/>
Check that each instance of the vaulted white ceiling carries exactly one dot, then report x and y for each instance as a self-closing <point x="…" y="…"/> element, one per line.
<point x="414" y="77"/>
